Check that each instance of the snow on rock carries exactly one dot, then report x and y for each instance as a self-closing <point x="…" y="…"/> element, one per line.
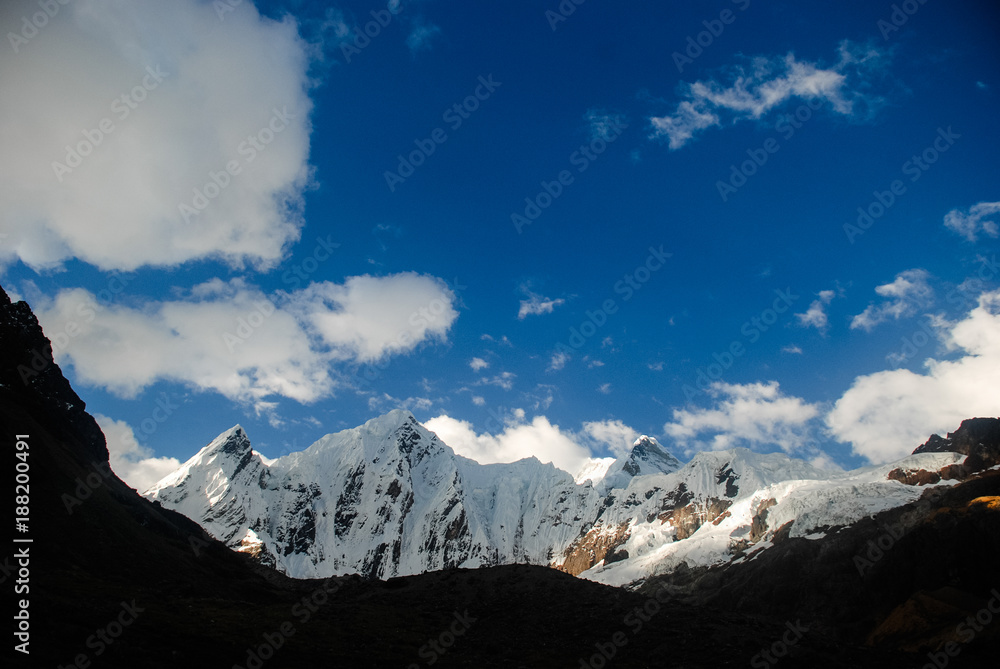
<point x="389" y="498"/>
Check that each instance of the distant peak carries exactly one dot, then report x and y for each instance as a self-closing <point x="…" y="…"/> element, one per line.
<point x="391" y="421"/>
<point x="645" y="441"/>
<point x="232" y="441"/>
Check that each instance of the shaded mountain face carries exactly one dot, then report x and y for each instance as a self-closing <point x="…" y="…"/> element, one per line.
<point x="98" y="547"/>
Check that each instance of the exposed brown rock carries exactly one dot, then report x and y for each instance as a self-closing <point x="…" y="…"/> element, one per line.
<point x="913" y="476"/>
<point x="597" y="544"/>
<point x="688" y="519"/>
<point x="758" y="525"/>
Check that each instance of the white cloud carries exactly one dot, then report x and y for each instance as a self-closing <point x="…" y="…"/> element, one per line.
<point x="604" y="388"/>
<point x="558" y="361"/>
<point x="216" y="84"/>
<point x="970" y="224"/>
<point x="385" y="402"/>
<point x="766" y="84"/>
<point x="908" y="293"/>
<point x="750" y="415"/>
<point x="133" y="463"/>
<point x="539" y="438"/>
<point x="815" y="315"/>
<point x="369" y="317"/>
<point x="233" y="339"/>
<point x="537" y="305"/>
<point x="478" y="400"/>
<point x="792" y="348"/>
<point x="477" y="364"/>
<point x="503" y="380"/>
<point x="887" y="414"/>
<point x="614" y="435"/>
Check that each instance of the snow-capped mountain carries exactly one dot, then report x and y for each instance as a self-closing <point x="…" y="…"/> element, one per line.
<point x="646" y="457"/>
<point x="384" y="499"/>
<point x="390" y="498"/>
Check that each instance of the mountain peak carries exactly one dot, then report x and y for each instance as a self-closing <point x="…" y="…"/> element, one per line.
<point x="648" y="450"/>
<point x="233" y="441"/>
<point x="647" y="456"/>
<point x="978" y="438"/>
<point x="390" y="422"/>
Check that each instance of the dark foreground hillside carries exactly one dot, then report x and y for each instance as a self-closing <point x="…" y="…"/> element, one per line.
<point x="116" y="581"/>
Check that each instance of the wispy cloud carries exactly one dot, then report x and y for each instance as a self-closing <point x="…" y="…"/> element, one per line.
<point x="887" y="414"/>
<point x="503" y="380"/>
<point x="421" y="35"/>
<point x="537" y="305"/>
<point x="908" y="293"/>
<point x="477" y="364"/>
<point x="558" y="361"/>
<point x="815" y="315"/>
<point x="971" y="223"/>
<point x="750" y="415"/>
<point x="750" y="92"/>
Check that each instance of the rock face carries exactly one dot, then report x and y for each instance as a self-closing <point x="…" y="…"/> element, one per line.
<point x="646" y="457"/>
<point x="384" y="499"/>
<point x="390" y="499"/>
<point x="866" y="601"/>
<point x="977" y="438"/>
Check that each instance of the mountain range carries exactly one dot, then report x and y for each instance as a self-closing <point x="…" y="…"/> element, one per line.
<point x="389" y="498"/>
<point x="112" y="579"/>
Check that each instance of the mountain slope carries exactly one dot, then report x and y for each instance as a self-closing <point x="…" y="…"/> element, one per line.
<point x="205" y="606"/>
<point x="389" y="498"/>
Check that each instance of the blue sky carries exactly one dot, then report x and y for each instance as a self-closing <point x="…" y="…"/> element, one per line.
<point x="543" y="232"/>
